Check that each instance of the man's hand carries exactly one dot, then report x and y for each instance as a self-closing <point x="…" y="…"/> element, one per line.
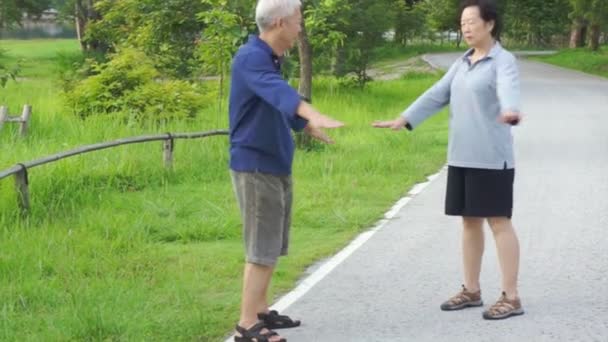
<point x="317" y="123"/>
<point x="396" y="125"/>
<point x="318" y="134"/>
<point x="511" y="118"/>
<point x="322" y="121"/>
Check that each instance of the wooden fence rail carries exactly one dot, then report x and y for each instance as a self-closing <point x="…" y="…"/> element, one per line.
<point x="20" y="170"/>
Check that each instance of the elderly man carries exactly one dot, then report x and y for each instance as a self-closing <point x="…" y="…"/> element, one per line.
<point x="263" y="111"/>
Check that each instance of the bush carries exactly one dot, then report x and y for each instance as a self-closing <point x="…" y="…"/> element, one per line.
<point x="6" y="73"/>
<point x="130" y="85"/>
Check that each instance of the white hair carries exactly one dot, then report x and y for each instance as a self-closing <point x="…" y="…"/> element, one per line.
<point x="267" y="12"/>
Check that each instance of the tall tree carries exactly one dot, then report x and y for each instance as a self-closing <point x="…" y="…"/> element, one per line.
<point x="166" y="30"/>
<point x="319" y="36"/>
<point x="364" y="31"/>
<point x="12" y="12"/>
<point x="83" y="13"/>
<point x="595" y="13"/>
<point x="536" y="22"/>
<point x="598" y="18"/>
<point x="219" y="40"/>
<point x="442" y="15"/>
<point x="410" y="20"/>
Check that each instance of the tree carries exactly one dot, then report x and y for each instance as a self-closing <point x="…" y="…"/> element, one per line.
<point x="578" y="31"/>
<point x="219" y="40"/>
<point x="83" y="13"/>
<point x="318" y="34"/>
<point x="362" y="30"/>
<point x="410" y="21"/>
<point x="536" y="22"/>
<point x="166" y="30"/>
<point x="11" y="12"/>
<point x="305" y="55"/>
<point x="321" y="36"/>
<point x="442" y="15"/>
<point x="598" y="17"/>
<point x="593" y="12"/>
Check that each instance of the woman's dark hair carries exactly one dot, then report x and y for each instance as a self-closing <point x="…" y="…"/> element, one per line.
<point x="488" y="10"/>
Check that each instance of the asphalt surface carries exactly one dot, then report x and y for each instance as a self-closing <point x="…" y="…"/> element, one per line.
<point x="391" y="287"/>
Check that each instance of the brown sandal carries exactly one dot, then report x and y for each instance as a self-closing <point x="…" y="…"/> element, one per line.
<point x="504" y="308"/>
<point x="462" y="300"/>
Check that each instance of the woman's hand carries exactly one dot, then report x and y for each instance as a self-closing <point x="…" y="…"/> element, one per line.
<point x="396" y="125"/>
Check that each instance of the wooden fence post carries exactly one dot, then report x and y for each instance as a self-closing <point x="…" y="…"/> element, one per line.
<point x="23" y="192"/>
<point x="168" y="146"/>
<point x="25" y="117"/>
<point x="3" y="115"/>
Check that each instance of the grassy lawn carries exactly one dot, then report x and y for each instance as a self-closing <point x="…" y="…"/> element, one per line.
<point x="117" y="248"/>
<point x="38" y="59"/>
<point x="583" y="59"/>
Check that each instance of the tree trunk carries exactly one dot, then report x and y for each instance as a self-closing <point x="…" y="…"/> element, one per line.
<point x="305" y="51"/>
<point x="80" y="18"/>
<point x="576" y="35"/>
<point x="339" y="67"/>
<point x="594" y="41"/>
<point x="584" y="31"/>
<point x="85" y="13"/>
<point x="304" y="140"/>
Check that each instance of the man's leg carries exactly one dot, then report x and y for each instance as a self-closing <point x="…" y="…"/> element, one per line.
<point x="256" y="280"/>
<point x="261" y="204"/>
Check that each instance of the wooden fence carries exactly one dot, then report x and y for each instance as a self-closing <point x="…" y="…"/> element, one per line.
<point x="20" y="170"/>
<point x="22" y="120"/>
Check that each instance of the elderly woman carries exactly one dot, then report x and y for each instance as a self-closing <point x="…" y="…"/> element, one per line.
<point x="482" y="88"/>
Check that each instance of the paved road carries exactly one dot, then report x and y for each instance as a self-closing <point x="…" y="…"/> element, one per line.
<point x="390" y="288"/>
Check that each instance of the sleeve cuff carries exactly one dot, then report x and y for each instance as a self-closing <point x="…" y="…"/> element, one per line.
<point x="298" y="123"/>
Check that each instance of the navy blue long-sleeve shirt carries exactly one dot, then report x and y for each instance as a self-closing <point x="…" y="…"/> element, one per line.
<point x="262" y="112"/>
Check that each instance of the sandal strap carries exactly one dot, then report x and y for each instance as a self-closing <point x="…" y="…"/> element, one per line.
<point x="255" y="332"/>
<point x="275" y="320"/>
<point x="459" y="298"/>
<point x="502" y="306"/>
<point x="255" y="329"/>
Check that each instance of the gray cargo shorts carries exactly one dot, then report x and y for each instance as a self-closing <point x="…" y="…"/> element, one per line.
<point x="265" y="204"/>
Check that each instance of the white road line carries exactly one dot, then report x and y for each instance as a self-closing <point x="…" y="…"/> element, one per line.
<point x="307" y="283"/>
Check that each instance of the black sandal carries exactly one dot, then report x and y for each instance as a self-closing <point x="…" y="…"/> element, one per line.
<point x="273" y="320"/>
<point x="254" y="334"/>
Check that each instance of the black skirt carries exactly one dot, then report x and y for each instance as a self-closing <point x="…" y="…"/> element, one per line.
<point x="479" y="192"/>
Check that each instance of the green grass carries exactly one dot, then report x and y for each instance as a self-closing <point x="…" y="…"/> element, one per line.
<point x="38" y="58"/>
<point x="583" y="59"/>
<point x="117" y="248"/>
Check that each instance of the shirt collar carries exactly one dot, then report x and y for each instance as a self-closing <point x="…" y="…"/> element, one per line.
<point x="258" y="42"/>
<point x="494" y="51"/>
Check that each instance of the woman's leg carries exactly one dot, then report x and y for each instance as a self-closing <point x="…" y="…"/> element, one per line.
<point x="472" y="251"/>
<point x="507" y="246"/>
